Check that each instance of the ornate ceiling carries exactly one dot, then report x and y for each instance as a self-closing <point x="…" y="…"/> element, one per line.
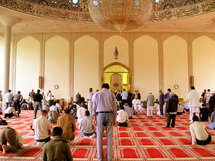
<point x="64" y="16"/>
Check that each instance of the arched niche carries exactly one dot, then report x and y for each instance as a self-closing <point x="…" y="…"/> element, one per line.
<point x="175" y="59"/>
<point x="57" y="67"/>
<point x="117" y="76"/>
<point x="146" y="77"/>
<point x="1" y="61"/>
<point x="27" y="65"/>
<point x="203" y="49"/>
<point x="109" y="47"/>
<point x="86" y="65"/>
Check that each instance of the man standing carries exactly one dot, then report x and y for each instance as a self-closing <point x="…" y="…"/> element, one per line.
<point x="31" y="95"/>
<point x="67" y="123"/>
<point x="17" y="98"/>
<point x="38" y="103"/>
<point x="104" y="112"/>
<point x="150" y="104"/>
<point x="58" y="148"/>
<point x="211" y="103"/>
<point x="89" y="101"/>
<point x="8" y="98"/>
<point x="171" y="110"/>
<point x="193" y="98"/>
<point x="161" y="101"/>
<point x="124" y="95"/>
<point x="42" y="129"/>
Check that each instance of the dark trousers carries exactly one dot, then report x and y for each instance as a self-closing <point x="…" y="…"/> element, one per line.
<point x="38" y="106"/>
<point x="171" y="120"/>
<point x="17" y="106"/>
<point x="161" y="109"/>
<point x="8" y="115"/>
<point x="125" y="124"/>
<point x="123" y="102"/>
<point x="8" y="104"/>
<point x="204" y="142"/>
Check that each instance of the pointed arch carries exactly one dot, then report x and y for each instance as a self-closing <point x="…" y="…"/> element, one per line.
<point x="203" y="48"/>
<point x="123" y="48"/>
<point x="175" y="57"/>
<point x="27" y="64"/>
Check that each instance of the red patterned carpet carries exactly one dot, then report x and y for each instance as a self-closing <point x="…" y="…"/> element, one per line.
<point x="144" y="139"/>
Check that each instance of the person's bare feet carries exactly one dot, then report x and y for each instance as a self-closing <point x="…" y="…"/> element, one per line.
<point x="4" y="149"/>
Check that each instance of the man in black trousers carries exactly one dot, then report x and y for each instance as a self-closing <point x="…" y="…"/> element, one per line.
<point x="171" y="110"/>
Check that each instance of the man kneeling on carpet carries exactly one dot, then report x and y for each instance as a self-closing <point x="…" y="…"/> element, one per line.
<point x="198" y="132"/>
<point x="10" y="112"/>
<point x="11" y="136"/>
<point x="86" y="126"/>
<point x="58" y="148"/>
<point x="122" y="117"/>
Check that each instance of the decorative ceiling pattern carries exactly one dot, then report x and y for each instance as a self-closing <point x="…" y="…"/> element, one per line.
<point x="67" y="10"/>
<point x="173" y="13"/>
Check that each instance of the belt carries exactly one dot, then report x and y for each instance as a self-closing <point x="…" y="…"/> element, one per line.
<point x="105" y="112"/>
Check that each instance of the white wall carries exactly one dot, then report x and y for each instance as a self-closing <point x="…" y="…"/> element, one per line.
<point x="1" y="62"/>
<point x="109" y="48"/>
<point x="204" y="63"/>
<point x="57" y="66"/>
<point x="27" y="65"/>
<point x="176" y="65"/>
<point x="146" y="66"/>
<point x="86" y="65"/>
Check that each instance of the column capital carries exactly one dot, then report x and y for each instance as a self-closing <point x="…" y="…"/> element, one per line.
<point x="9" y="21"/>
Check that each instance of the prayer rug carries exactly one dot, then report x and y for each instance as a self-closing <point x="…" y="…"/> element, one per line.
<point x="145" y="139"/>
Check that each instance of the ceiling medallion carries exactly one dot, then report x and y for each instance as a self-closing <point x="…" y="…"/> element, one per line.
<point x="120" y="15"/>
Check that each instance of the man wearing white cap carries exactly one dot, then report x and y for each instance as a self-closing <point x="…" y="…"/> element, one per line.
<point x="150" y="104"/>
<point x="193" y="98"/>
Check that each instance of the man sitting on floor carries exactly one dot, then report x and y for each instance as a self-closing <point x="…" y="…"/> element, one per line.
<point x="86" y="127"/>
<point x="58" y="148"/>
<point x="67" y="123"/>
<point x="42" y="129"/>
<point x="128" y="110"/>
<point x="122" y="117"/>
<point x="10" y="112"/>
<point x="54" y="113"/>
<point x="11" y="136"/>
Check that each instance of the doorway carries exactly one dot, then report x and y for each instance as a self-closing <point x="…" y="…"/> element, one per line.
<point x="117" y="76"/>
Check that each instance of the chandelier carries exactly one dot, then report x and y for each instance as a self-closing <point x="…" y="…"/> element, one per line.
<point x="120" y="15"/>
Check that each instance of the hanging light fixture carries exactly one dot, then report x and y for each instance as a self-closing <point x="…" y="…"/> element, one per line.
<point x="120" y="15"/>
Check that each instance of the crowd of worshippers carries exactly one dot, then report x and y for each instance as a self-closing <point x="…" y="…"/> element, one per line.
<point x="80" y="113"/>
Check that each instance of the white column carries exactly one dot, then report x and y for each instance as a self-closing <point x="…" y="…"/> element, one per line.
<point x="7" y="22"/>
<point x="6" y="66"/>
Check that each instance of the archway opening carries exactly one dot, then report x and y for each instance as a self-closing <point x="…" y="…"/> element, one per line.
<point x="117" y="76"/>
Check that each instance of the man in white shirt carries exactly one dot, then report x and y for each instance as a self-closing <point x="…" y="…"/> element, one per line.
<point x="8" y="98"/>
<point x="122" y="117"/>
<point x="81" y="112"/>
<point x="10" y="112"/>
<point x="86" y="126"/>
<point x="137" y="104"/>
<point x="42" y="129"/>
<point x="124" y="95"/>
<point x="198" y="132"/>
<point x="89" y="101"/>
<point x="54" y="113"/>
<point x="194" y="104"/>
<point x="208" y="95"/>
